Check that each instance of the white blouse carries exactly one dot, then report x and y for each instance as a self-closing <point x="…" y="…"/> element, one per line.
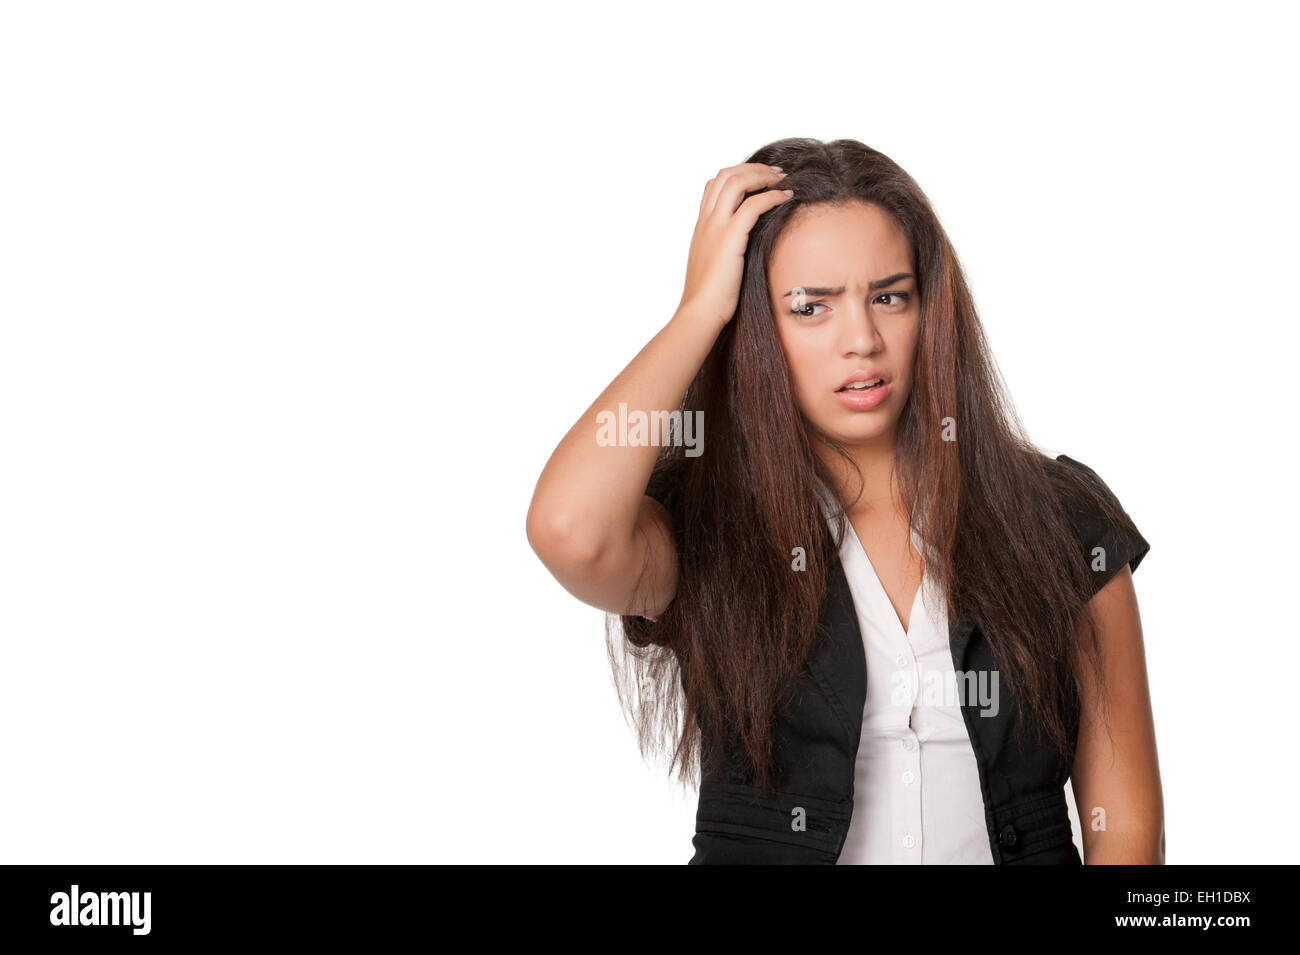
<point x="917" y="791"/>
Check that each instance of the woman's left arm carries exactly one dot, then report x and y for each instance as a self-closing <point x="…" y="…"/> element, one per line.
<point x="1116" y="777"/>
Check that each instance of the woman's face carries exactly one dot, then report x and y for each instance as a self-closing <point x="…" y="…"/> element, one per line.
<point x="846" y="307"/>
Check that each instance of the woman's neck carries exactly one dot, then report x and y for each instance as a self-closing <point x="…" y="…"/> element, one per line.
<point x="875" y="461"/>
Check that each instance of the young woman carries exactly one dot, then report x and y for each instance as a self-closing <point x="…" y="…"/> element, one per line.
<point x="884" y="626"/>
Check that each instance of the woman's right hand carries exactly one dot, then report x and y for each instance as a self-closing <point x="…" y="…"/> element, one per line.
<point x="717" y="257"/>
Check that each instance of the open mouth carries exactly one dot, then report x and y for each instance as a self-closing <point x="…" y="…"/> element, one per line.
<point x="861" y="386"/>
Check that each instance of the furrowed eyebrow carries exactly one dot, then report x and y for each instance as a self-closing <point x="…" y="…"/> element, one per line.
<point x="826" y="290"/>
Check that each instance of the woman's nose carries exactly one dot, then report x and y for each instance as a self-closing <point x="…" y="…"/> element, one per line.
<point x="859" y="334"/>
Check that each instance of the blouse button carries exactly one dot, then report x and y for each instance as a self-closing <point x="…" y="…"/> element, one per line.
<point x="908" y="777"/>
<point x="908" y="842"/>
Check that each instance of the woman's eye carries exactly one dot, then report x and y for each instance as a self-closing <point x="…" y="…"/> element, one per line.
<point x="802" y="310"/>
<point x="905" y="296"/>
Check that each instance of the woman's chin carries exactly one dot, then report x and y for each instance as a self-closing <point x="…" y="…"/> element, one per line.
<point x="865" y="432"/>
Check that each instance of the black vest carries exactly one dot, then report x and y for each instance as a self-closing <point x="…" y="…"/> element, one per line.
<point x="1022" y="779"/>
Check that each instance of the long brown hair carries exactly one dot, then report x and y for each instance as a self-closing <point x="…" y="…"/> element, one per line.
<point x="996" y="510"/>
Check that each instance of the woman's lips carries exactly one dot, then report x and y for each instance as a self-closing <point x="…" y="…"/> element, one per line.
<point x="863" y="399"/>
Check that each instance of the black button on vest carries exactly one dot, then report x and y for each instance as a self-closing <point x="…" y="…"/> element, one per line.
<point x="1008" y="838"/>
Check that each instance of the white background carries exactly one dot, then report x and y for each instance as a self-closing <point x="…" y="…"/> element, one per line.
<point x="297" y="299"/>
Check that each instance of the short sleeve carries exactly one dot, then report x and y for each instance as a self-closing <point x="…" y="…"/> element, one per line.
<point x="1108" y="537"/>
